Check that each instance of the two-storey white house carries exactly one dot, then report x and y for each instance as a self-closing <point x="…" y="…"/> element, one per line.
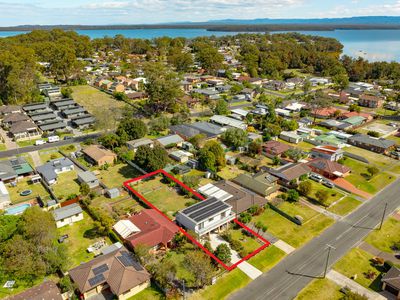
<point x="206" y="216"/>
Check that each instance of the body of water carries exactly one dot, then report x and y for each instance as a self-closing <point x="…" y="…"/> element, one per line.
<point x="373" y="45"/>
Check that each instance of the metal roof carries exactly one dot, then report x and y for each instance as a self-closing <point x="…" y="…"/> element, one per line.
<point x="66" y="211"/>
<point x="205" y="209"/>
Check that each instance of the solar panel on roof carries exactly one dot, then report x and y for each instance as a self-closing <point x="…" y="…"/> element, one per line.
<point x="96" y="280"/>
<point x="100" y="270"/>
<point x="199" y="215"/>
<point x="198" y="206"/>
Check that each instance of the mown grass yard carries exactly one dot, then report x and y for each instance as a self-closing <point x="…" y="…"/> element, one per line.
<point x="375" y="159"/>
<point x="117" y="174"/>
<point x="333" y="194"/>
<point x="249" y="243"/>
<point x="166" y="198"/>
<point x="24" y="184"/>
<point x="358" y="262"/>
<point x="344" y="206"/>
<point x="359" y="177"/>
<point x="267" y="258"/>
<point x="81" y="235"/>
<point x="120" y="206"/>
<point x="230" y="172"/>
<point x="295" y="235"/>
<point x="67" y="184"/>
<point x="302" y="145"/>
<point x="3" y="147"/>
<point x="49" y="154"/>
<point x="320" y="289"/>
<point x="225" y="286"/>
<point x="150" y="293"/>
<point x="385" y="238"/>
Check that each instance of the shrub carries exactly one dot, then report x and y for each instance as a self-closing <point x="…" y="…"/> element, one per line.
<point x="373" y="133"/>
<point x="236" y="245"/>
<point x="243" y="253"/>
<point x="244" y="217"/>
<point x="388" y="265"/>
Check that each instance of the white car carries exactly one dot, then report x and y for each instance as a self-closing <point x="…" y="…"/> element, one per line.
<point x="316" y="177"/>
<point x="40" y="142"/>
<point x="54" y="138"/>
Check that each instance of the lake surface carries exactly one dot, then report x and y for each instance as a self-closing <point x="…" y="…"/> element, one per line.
<point x="373" y="45"/>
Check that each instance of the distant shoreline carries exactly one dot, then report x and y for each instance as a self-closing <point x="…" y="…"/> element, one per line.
<point x="214" y="27"/>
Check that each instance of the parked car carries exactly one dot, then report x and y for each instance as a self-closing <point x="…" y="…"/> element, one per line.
<point x="54" y="138"/>
<point x="62" y="238"/>
<point x="316" y="177"/>
<point x="328" y="184"/>
<point x="40" y="142"/>
<point x="67" y="137"/>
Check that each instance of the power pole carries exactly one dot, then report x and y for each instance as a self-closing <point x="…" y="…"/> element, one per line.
<point x="184" y="294"/>
<point x="327" y="258"/>
<point x="383" y="216"/>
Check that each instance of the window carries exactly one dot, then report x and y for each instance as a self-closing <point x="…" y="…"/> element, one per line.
<point x="223" y="215"/>
<point x="201" y="225"/>
<point x="210" y="219"/>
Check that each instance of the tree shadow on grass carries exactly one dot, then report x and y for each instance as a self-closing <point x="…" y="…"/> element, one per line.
<point x="91" y="233"/>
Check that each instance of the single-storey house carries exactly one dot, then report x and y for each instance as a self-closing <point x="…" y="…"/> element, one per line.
<point x="4" y="196"/>
<point x="149" y="228"/>
<point x="117" y="271"/>
<point x="99" y="155"/>
<point x="9" y="109"/>
<point x="330" y="139"/>
<point x="83" y="121"/>
<point x="172" y="139"/>
<point x="355" y="121"/>
<point x="206" y="216"/>
<point x="209" y="129"/>
<point x="391" y="282"/>
<point x="331" y="153"/>
<point x="324" y="113"/>
<point x="88" y="178"/>
<point x="49" y="170"/>
<point x="329" y="169"/>
<point x="134" y="144"/>
<point x="335" y="124"/>
<point x="47" y="290"/>
<point x="275" y="148"/>
<point x="181" y="156"/>
<point x="349" y="114"/>
<point x="226" y="121"/>
<point x="378" y="145"/>
<point x="289" y="172"/>
<point x="261" y="183"/>
<point x="24" y="130"/>
<point x="67" y="215"/>
<point x="14" y="118"/>
<point x="291" y="137"/>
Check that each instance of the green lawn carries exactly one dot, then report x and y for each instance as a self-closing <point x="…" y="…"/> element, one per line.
<point x="182" y="273"/>
<point x="267" y="258"/>
<point x="302" y="145"/>
<point x="358" y="262"/>
<point x="359" y="175"/>
<point x="249" y="243"/>
<point x="226" y="285"/>
<point x="104" y="107"/>
<point x="396" y="169"/>
<point x="81" y="235"/>
<point x="115" y="175"/>
<point x="295" y="235"/>
<point x="344" y="206"/>
<point x="386" y="237"/>
<point x="121" y="205"/>
<point x="29" y="142"/>
<point x="24" y="184"/>
<point x="167" y="199"/>
<point x="3" y="147"/>
<point x="320" y="289"/>
<point x="49" y="154"/>
<point x="230" y="172"/>
<point x="67" y="184"/>
<point x="333" y="194"/>
<point x="378" y="160"/>
<point x="150" y="293"/>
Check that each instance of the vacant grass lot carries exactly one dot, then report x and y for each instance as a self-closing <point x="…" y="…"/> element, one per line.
<point x="226" y="285"/>
<point x="24" y="184"/>
<point x="104" y="107"/>
<point x="67" y="184"/>
<point x="117" y="174"/>
<point x="359" y="177"/>
<point x="378" y="160"/>
<point x="385" y="238"/>
<point x="167" y="199"/>
<point x="358" y="262"/>
<point x="121" y="205"/>
<point x="344" y="206"/>
<point x="295" y="235"/>
<point x="267" y="258"/>
<point x="81" y="235"/>
<point x="320" y="289"/>
<point x="302" y="145"/>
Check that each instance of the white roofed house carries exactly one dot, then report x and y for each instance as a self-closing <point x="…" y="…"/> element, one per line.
<point x="181" y="156"/>
<point x="206" y="216"/>
<point x="291" y="137"/>
<point x="226" y="121"/>
<point x="4" y="196"/>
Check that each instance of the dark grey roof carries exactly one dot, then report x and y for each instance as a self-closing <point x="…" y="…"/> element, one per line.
<point x="67" y="211"/>
<point x="75" y="110"/>
<point x="22" y="126"/>
<point x="366" y="139"/>
<point x="170" y="139"/>
<point x="35" y="106"/>
<point x="88" y="119"/>
<point x="53" y="126"/>
<point x="209" y="129"/>
<point x="205" y="209"/>
<point x="42" y="116"/>
<point x="48" y="169"/>
<point x="206" y="92"/>
<point x="87" y="176"/>
<point x="184" y="130"/>
<point x="7" y="172"/>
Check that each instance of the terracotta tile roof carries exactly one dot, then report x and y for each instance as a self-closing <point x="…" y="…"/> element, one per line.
<point x="46" y="291"/>
<point x="97" y="152"/>
<point x="326" y="112"/>
<point x="275" y="147"/>
<point x="356" y="114"/>
<point x="120" y="277"/>
<point x="154" y="228"/>
<point x="328" y="166"/>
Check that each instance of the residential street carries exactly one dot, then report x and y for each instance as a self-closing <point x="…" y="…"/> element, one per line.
<point x="295" y="271"/>
<point x="7" y="153"/>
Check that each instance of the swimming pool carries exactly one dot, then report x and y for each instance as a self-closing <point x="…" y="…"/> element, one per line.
<point x="18" y="209"/>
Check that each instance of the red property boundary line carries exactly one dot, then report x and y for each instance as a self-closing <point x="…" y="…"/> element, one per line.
<point x="200" y="197"/>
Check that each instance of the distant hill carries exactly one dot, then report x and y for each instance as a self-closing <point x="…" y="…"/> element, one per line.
<point x="388" y="20"/>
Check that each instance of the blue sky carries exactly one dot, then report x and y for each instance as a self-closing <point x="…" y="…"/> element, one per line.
<point x="46" y="12"/>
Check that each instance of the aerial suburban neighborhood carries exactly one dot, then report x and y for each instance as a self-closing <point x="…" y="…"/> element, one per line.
<point x="250" y="166"/>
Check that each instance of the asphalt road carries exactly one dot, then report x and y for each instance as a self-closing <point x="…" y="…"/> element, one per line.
<point x="79" y="139"/>
<point x="295" y="271"/>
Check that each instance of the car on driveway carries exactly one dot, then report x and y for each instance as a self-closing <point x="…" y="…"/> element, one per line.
<point x="328" y="184"/>
<point x="316" y="177"/>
